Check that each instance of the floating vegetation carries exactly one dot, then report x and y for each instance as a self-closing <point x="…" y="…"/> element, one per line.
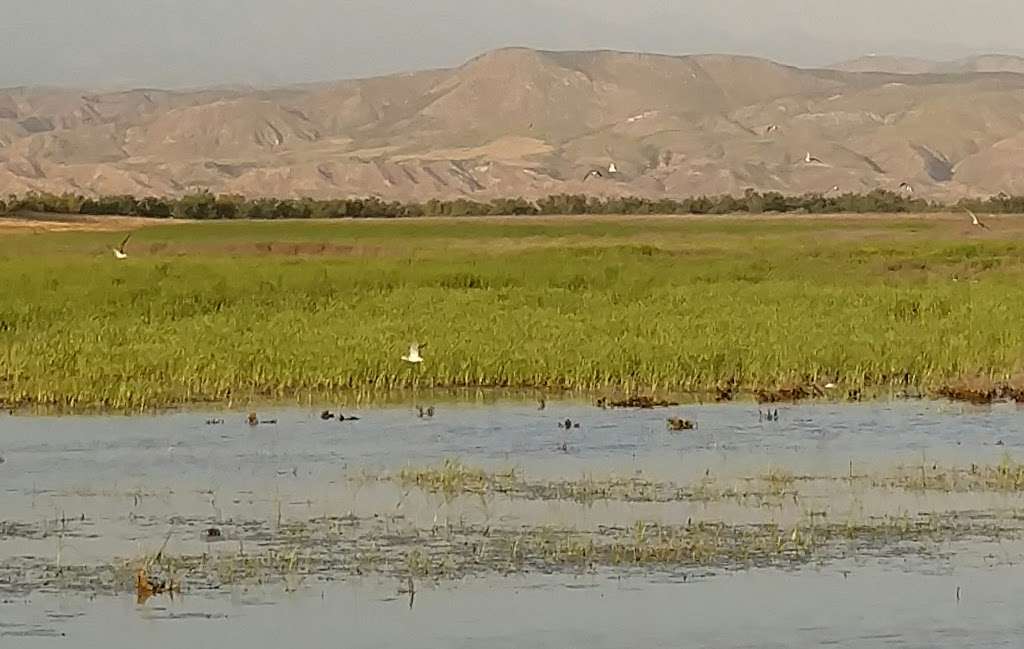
<point x="781" y="519"/>
<point x="641" y="402"/>
<point x="981" y="392"/>
<point x="790" y="393"/>
<point x="453" y="478"/>
<point x="1005" y="477"/>
<point x="148" y="586"/>
<point x="328" y="549"/>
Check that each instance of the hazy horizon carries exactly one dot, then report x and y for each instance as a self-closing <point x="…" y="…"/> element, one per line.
<point x="161" y="43"/>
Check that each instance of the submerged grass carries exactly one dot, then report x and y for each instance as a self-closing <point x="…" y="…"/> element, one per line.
<point x="454" y="479"/>
<point x="233" y="312"/>
<point x="312" y="552"/>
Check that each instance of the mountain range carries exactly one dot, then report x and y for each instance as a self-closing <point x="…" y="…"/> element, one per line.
<point x="520" y="122"/>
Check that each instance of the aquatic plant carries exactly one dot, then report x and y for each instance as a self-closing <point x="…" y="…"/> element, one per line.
<point x="246" y="312"/>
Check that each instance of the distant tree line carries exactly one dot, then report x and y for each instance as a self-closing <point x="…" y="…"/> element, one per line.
<point x="205" y="205"/>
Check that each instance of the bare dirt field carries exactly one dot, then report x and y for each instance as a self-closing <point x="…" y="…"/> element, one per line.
<point x="76" y="223"/>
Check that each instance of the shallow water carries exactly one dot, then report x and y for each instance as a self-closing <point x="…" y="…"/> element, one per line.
<point x="67" y="452"/>
<point x="84" y="491"/>
<point x="869" y="607"/>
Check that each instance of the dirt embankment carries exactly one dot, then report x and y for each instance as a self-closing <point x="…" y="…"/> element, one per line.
<point x="75" y="223"/>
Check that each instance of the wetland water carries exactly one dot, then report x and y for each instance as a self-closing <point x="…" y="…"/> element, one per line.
<point x="847" y="525"/>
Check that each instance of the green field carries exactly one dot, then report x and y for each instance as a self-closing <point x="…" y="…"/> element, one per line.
<point x="240" y="311"/>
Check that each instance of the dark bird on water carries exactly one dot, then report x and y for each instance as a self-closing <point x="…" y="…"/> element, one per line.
<point x="679" y="424"/>
<point x="326" y="415"/>
<point x="212" y="535"/>
<point x="255" y="421"/>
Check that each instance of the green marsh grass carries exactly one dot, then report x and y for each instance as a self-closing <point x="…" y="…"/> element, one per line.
<point x="232" y="312"/>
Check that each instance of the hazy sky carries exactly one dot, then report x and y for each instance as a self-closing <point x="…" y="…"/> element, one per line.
<point x="202" y="42"/>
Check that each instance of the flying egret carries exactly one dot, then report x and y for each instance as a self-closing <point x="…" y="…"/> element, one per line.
<point x="809" y="159"/>
<point x="119" y="252"/>
<point x="975" y="221"/>
<point x="414" y="354"/>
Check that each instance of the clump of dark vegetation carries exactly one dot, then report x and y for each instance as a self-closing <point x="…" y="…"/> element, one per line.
<point x="206" y="205"/>
<point x="788" y="393"/>
<point x="981" y="393"/>
<point x="976" y="396"/>
<point x="641" y="402"/>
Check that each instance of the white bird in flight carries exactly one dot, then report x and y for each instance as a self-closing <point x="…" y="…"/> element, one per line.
<point x="976" y="221"/>
<point x="809" y="159"/>
<point x="414" y="354"/>
<point x="119" y="252"/>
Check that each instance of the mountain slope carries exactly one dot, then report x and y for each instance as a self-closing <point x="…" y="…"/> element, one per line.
<point x="526" y="122"/>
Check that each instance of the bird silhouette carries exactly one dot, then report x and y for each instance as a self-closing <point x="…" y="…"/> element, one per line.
<point x="975" y="221"/>
<point x="414" y="354"/>
<point x="119" y="252"/>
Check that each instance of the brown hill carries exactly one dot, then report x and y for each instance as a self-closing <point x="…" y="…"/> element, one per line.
<point x="525" y="122"/>
<point x="911" y="65"/>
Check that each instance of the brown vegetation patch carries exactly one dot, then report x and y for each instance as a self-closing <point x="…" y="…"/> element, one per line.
<point x="298" y="249"/>
<point x="641" y="402"/>
<point x="788" y="393"/>
<point x="980" y="392"/>
<point x="77" y="224"/>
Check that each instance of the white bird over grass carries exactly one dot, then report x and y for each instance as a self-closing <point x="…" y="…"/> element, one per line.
<point x="976" y="221"/>
<point x="414" y="354"/>
<point x="119" y="252"/>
